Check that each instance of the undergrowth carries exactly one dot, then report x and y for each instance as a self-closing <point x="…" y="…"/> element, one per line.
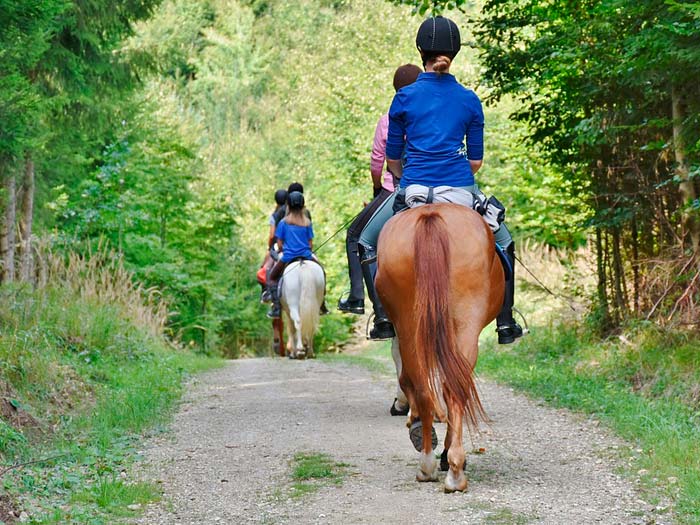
<point x="643" y="383"/>
<point x="84" y="370"/>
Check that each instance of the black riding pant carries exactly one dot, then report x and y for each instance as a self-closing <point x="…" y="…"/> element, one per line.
<point x="357" y="290"/>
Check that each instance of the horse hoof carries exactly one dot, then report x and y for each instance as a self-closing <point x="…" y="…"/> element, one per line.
<point x="416" y="435"/>
<point x="455" y="484"/>
<point x="396" y="412"/>
<point x="445" y="465"/>
<point x="427" y="470"/>
<point x="425" y="478"/>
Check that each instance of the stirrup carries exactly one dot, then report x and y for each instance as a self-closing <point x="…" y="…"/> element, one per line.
<point x="382" y="330"/>
<point x="274" y="313"/>
<point x="369" y="255"/>
<point x="508" y="333"/>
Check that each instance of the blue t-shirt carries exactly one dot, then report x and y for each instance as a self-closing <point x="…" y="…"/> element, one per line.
<point x="429" y="120"/>
<point x="295" y="240"/>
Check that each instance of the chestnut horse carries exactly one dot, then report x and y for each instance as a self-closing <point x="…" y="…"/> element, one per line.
<point x="441" y="282"/>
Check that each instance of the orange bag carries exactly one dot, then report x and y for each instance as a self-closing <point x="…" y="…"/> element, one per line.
<point x="262" y="276"/>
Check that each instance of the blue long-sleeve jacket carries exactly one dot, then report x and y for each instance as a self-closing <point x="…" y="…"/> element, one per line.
<point x="430" y="119"/>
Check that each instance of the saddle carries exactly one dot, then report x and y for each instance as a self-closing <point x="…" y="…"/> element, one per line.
<point x="491" y="209"/>
<point x="300" y="259"/>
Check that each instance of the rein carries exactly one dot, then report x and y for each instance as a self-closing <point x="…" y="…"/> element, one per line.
<point x="567" y="300"/>
<point x="327" y="240"/>
<point x="343" y="227"/>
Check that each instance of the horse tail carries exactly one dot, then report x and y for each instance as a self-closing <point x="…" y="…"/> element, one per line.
<point x="309" y="307"/>
<point x="436" y="338"/>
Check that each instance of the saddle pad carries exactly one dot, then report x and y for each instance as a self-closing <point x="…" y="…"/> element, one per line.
<point x="417" y="195"/>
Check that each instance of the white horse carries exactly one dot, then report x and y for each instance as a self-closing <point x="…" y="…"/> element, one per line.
<point x="301" y="296"/>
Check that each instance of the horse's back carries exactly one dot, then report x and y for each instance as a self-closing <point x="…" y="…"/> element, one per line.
<point x="303" y="276"/>
<point x="468" y="232"/>
<point x="475" y="273"/>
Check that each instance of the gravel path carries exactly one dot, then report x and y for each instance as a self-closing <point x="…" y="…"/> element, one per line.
<point x="228" y="459"/>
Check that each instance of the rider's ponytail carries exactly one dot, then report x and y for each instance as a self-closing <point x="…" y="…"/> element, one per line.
<point x="441" y="63"/>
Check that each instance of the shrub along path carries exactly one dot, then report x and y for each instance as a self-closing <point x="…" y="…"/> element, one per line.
<point x="249" y="434"/>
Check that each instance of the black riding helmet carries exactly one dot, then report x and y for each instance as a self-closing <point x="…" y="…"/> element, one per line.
<point x="295" y="186"/>
<point x="438" y="36"/>
<point x="280" y="197"/>
<point x="295" y="200"/>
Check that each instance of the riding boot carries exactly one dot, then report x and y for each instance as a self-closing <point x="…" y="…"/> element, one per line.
<point x="383" y="329"/>
<point x="508" y="330"/>
<point x="368" y="254"/>
<point x="275" y="311"/>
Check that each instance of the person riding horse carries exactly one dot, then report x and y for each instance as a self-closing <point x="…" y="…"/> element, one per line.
<point x="383" y="182"/>
<point x="294" y="236"/>
<point x="271" y="254"/>
<point x="428" y="123"/>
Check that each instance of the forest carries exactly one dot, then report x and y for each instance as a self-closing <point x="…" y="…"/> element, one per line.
<point x="141" y="143"/>
<point x="159" y="132"/>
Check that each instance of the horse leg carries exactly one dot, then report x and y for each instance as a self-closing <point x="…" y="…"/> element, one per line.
<point x="427" y="466"/>
<point x="456" y="457"/>
<point x="400" y="405"/>
<point x="290" y="336"/>
<point x="406" y="386"/>
<point x="444" y="464"/>
<point x="278" y="337"/>
<point x="310" y="348"/>
<point x="298" y="345"/>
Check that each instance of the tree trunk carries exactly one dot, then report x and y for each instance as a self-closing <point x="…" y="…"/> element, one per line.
<point x="635" y="267"/>
<point x="602" y="279"/>
<point x="691" y="225"/>
<point x="7" y="234"/>
<point x="619" y="282"/>
<point x="26" y="268"/>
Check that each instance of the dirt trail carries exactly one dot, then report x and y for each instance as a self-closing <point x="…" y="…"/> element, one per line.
<point x="228" y="458"/>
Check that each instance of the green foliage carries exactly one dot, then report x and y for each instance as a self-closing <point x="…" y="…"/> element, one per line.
<point x="88" y="369"/>
<point x="23" y="42"/>
<point x="176" y="171"/>
<point x="434" y="7"/>
<point x="595" y="84"/>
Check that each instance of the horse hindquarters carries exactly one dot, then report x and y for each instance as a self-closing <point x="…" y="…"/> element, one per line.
<point x="302" y="294"/>
<point x="432" y="269"/>
<point x="290" y="296"/>
<point x="313" y="288"/>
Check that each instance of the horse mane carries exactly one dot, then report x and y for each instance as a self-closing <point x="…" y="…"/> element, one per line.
<point x="435" y="328"/>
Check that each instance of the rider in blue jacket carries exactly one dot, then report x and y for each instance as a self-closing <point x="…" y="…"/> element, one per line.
<point x="295" y="235"/>
<point x="438" y="126"/>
